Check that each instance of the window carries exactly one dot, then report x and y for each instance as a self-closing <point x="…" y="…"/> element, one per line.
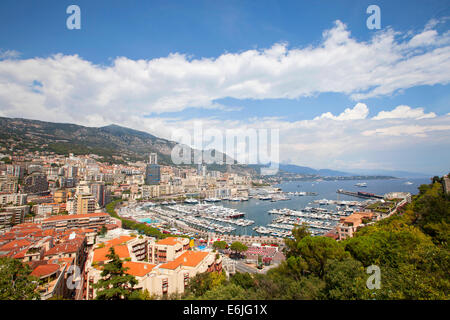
<point x="165" y="286"/>
<point x="186" y="279"/>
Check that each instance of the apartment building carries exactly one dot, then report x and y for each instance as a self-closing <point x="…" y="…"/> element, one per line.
<point x="84" y="203"/>
<point x="167" y="249"/>
<point x="10" y="216"/>
<point x="90" y="220"/>
<point x="16" y="199"/>
<point x="172" y="276"/>
<point x="347" y="226"/>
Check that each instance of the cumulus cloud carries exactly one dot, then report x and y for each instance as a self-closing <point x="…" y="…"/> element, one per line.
<point x="359" y="111"/>
<point x="83" y="91"/>
<point x="68" y="88"/>
<point x="404" y="112"/>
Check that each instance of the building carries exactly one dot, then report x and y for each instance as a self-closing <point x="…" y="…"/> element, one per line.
<point x="8" y="184"/>
<point x="153" y="158"/>
<point x="98" y="190"/>
<point x="84" y="203"/>
<point x="10" y="216"/>
<point x="447" y="184"/>
<point x="35" y="183"/>
<point x="64" y="222"/>
<point x="152" y="171"/>
<point x="398" y="195"/>
<point x="167" y="249"/>
<point x="347" y="226"/>
<point x="16" y="199"/>
<point x="15" y="171"/>
<point x="160" y="279"/>
<point x="152" y="174"/>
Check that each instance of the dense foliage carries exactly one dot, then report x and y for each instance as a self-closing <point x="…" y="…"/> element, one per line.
<point x="16" y="283"/>
<point x="115" y="283"/>
<point x="410" y="248"/>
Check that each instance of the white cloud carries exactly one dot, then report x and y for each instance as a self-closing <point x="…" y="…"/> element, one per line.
<point x="406" y="130"/>
<point x="77" y="88"/>
<point x="9" y="54"/>
<point x="321" y="143"/>
<point x="404" y="112"/>
<point x="359" y="111"/>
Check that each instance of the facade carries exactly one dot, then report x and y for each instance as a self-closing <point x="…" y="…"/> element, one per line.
<point x="16" y="199"/>
<point x="8" y="184"/>
<point x="98" y="190"/>
<point x="349" y="225"/>
<point x="167" y="249"/>
<point x="398" y="195"/>
<point x="10" y="216"/>
<point x="91" y="220"/>
<point x="84" y="203"/>
<point x="152" y="174"/>
<point x="160" y="279"/>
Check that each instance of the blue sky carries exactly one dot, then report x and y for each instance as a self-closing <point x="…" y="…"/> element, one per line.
<point x="203" y="32"/>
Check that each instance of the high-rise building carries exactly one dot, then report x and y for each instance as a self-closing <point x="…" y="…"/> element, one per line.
<point x="152" y="174"/>
<point x="72" y="172"/>
<point x="15" y="171"/>
<point x="98" y="190"/>
<point x="153" y="171"/>
<point x="84" y="203"/>
<point x="153" y="158"/>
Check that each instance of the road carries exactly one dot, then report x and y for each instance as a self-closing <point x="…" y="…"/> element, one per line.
<point x="242" y="267"/>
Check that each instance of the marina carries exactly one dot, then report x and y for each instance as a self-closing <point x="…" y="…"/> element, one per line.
<point x="316" y="204"/>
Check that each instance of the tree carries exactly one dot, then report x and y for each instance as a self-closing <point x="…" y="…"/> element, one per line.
<point x="238" y="247"/>
<point x="299" y="232"/>
<point x="16" y="282"/>
<point x="221" y="245"/>
<point x="103" y="231"/>
<point x="345" y="280"/>
<point x="313" y="253"/>
<point x="115" y="284"/>
<point x="6" y="160"/>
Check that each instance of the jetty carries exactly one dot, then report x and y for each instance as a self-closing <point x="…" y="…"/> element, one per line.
<point x="360" y="194"/>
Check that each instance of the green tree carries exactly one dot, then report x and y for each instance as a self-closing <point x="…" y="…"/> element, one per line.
<point x="221" y="245"/>
<point x="6" y="160"/>
<point x="299" y="232"/>
<point x="103" y="231"/>
<point x="313" y="253"/>
<point x="345" y="280"/>
<point x="238" y="247"/>
<point x="16" y="282"/>
<point x="115" y="283"/>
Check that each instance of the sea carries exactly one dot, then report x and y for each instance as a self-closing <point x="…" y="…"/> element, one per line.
<point x="257" y="210"/>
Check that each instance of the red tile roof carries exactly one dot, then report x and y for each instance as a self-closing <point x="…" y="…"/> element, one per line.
<point x="138" y="269"/>
<point x="45" y="270"/>
<point x="169" y="241"/>
<point x="15" y="244"/>
<point x="100" y="254"/>
<point x="188" y="259"/>
<point x="70" y="246"/>
<point x="76" y="216"/>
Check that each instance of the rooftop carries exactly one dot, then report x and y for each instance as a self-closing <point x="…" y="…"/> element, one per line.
<point x="188" y="259"/>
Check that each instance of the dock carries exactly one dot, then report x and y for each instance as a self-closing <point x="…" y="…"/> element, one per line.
<point x="360" y="194"/>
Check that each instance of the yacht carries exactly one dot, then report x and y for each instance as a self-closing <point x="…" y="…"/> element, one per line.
<point x="191" y="201"/>
<point x="361" y="184"/>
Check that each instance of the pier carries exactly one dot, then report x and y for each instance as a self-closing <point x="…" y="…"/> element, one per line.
<point x="360" y="194"/>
